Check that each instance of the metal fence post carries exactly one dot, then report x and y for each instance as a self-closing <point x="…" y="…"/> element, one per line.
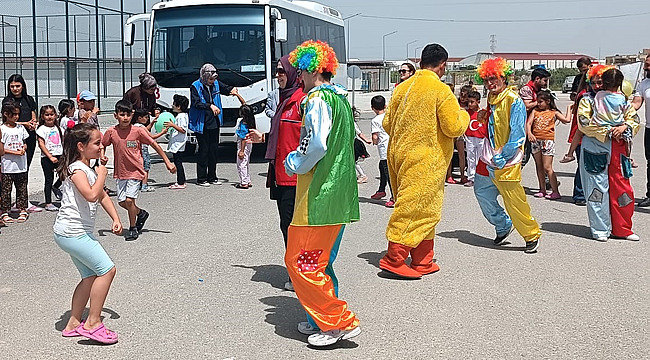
<point x="68" y="78"/>
<point x="122" y="44"/>
<point x="97" y="51"/>
<point x="35" y="51"/>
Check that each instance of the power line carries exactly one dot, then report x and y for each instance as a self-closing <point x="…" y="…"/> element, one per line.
<point x="478" y="3"/>
<point x="501" y="21"/>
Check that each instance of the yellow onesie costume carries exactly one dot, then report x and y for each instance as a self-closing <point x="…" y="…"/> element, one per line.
<point x="422" y="120"/>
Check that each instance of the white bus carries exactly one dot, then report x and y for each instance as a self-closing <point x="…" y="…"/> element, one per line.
<point x="243" y="39"/>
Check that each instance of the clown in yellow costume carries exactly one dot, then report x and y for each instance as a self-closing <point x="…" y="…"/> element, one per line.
<point x="422" y="120"/>
<point x="499" y="169"/>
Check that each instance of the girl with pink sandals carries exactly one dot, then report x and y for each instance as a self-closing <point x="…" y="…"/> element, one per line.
<point x="82" y="190"/>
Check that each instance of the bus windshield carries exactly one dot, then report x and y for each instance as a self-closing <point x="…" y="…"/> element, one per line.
<point x="229" y="37"/>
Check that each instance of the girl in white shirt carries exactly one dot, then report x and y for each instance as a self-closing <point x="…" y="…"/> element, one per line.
<point x="14" y="163"/>
<point x="50" y="140"/>
<point x="67" y="114"/>
<point x="82" y="189"/>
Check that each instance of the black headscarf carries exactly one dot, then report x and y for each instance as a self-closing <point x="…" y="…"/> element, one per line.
<point x="285" y="95"/>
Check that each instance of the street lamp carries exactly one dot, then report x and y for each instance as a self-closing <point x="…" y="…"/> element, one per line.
<point x="383" y="45"/>
<point x="347" y="50"/>
<point x="416" y="51"/>
<point x="407" y="48"/>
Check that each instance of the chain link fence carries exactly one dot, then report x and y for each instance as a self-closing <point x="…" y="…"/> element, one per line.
<point x="62" y="47"/>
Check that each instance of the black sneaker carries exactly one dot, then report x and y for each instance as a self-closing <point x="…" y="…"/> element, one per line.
<point x="110" y="192"/>
<point x="644" y="203"/>
<point x="142" y="217"/>
<point x="580" y="202"/>
<point x="57" y="193"/>
<point x="531" y="247"/>
<point x="501" y="239"/>
<point x="131" y="234"/>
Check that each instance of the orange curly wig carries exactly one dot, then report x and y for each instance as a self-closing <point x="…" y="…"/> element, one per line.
<point x="597" y="70"/>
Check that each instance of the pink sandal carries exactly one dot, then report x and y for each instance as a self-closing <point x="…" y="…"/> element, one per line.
<point x="100" y="334"/>
<point x="73" y="332"/>
<point x="554" y="196"/>
<point x="540" y="194"/>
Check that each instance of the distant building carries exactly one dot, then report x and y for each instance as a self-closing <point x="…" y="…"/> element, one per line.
<point x="525" y="61"/>
<point x="518" y="60"/>
<point x="627" y="59"/>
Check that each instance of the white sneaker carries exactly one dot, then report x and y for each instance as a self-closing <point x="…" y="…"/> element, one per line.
<point x="216" y="182"/>
<point x="305" y="328"/>
<point x="325" y="338"/>
<point x="602" y="239"/>
<point x="633" y="237"/>
<point x="288" y="286"/>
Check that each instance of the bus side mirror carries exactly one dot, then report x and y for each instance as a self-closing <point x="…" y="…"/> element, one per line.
<point x="129" y="34"/>
<point x="281" y="30"/>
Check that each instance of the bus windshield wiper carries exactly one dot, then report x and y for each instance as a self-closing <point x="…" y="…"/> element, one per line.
<point x="238" y="74"/>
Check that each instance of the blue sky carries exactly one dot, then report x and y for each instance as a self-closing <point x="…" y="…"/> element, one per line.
<point x="609" y="36"/>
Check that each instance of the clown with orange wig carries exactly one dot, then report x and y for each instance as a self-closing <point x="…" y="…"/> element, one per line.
<point x="499" y="169"/>
<point x="607" y="122"/>
<point x="326" y="196"/>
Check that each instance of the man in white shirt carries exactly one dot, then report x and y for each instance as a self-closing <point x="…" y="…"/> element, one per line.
<point x="641" y="96"/>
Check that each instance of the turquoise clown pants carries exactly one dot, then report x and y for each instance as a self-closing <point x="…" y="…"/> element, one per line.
<point x="605" y="173"/>
<point x="517" y="211"/>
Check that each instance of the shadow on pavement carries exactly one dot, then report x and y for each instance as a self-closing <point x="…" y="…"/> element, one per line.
<point x="274" y="275"/>
<point x="469" y="238"/>
<point x="285" y="313"/>
<point x="576" y="230"/>
<point x="372" y="257"/>
<point x="61" y="323"/>
<point x="365" y="200"/>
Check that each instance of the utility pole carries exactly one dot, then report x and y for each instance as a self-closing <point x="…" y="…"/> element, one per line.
<point x="493" y="43"/>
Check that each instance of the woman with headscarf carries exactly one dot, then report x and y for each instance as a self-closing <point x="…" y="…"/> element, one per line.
<point x="206" y="117"/>
<point x="143" y="96"/>
<point x="283" y="138"/>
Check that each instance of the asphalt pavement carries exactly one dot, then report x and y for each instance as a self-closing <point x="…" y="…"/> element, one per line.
<point x="205" y="281"/>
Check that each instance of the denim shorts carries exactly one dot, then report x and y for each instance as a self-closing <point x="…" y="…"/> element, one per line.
<point x="87" y="254"/>
<point x="146" y="158"/>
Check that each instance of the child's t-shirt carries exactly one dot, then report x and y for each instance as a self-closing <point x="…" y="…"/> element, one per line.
<point x="544" y="125"/>
<point x="127" y="153"/>
<point x="476" y="128"/>
<point x="177" y="139"/>
<point x="76" y="215"/>
<point x="376" y="127"/>
<point x="242" y="130"/>
<point x="13" y="139"/>
<point x="52" y="138"/>
<point x="144" y="147"/>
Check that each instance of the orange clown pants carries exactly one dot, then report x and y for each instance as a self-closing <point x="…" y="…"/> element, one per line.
<point x="311" y="251"/>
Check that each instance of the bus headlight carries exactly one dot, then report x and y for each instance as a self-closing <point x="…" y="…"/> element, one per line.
<point x="258" y="107"/>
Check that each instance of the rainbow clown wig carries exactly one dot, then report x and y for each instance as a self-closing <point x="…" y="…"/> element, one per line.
<point x="498" y="67"/>
<point x="597" y="70"/>
<point x="314" y="56"/>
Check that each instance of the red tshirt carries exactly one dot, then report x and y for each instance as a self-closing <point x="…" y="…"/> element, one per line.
<point x="476" y="128"/>
<point x="127" y="150"/>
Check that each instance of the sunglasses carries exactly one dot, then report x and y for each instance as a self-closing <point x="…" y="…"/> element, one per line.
<point x="402" y="71"/>
<point x="280" y="71"/>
